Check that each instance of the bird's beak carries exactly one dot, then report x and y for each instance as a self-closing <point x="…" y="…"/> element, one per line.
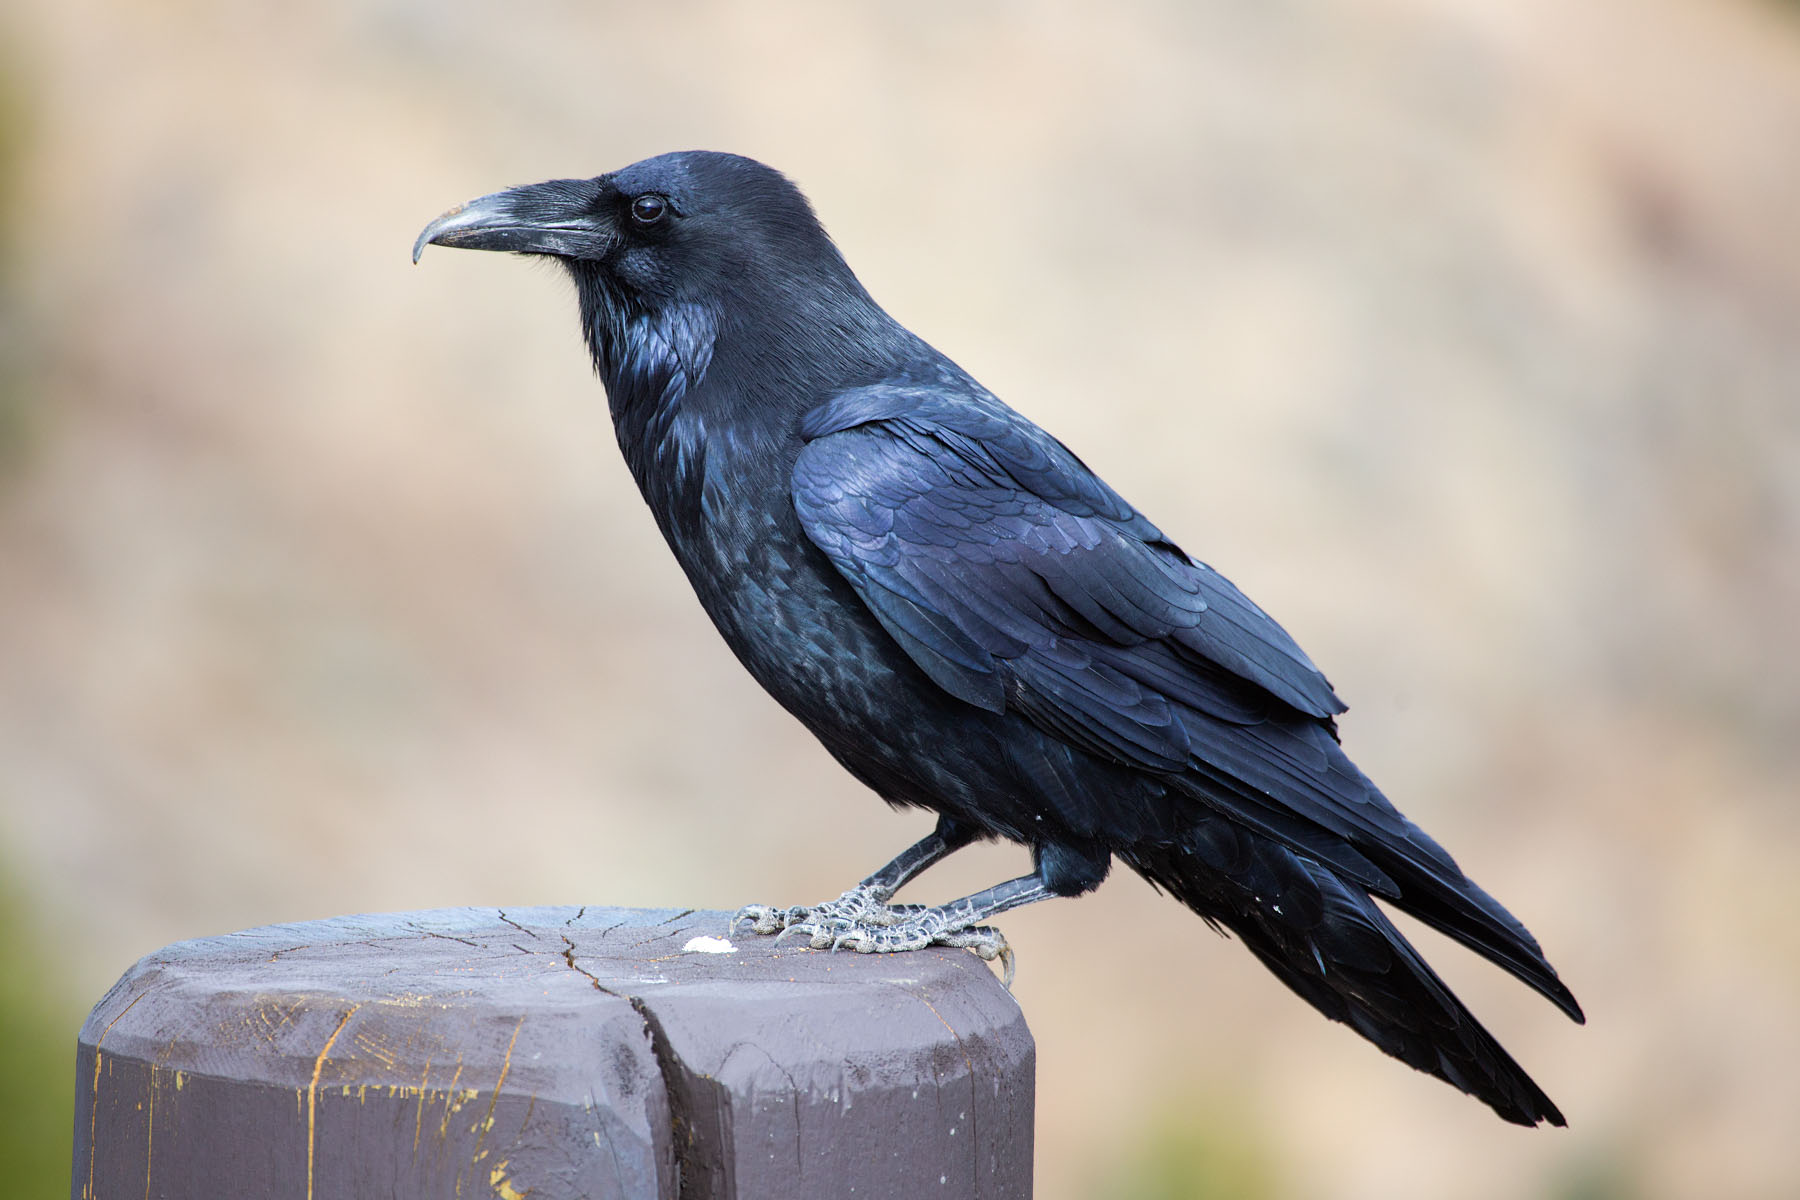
<point x="556" y="218"/>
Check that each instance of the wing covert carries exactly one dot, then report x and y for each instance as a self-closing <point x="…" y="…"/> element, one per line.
<point x="1012" y="574"/>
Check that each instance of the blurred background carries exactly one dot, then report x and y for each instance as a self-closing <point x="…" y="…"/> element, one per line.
<point x="1464" y="335"/>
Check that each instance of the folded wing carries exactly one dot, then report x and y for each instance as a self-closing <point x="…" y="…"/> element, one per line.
<point x="1021" y="583"/>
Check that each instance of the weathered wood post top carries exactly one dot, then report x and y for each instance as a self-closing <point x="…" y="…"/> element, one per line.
<point x="550" y="1053"/>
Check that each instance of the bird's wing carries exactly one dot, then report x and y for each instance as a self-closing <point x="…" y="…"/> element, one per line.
<point x="1016" y="578"/>
<point x="1019" y="582"/>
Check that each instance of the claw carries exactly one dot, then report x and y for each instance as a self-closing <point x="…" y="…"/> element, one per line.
<point x="762" y="918"/>
<point x="988" y="944"/>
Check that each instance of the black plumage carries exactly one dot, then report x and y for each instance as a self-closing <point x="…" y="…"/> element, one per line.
<point x="972" y="622"/>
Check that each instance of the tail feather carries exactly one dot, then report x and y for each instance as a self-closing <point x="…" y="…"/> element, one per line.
<point x="1330" y="943"/>
<point x="1467" y="913"/>
<point x="1402" y="865"/>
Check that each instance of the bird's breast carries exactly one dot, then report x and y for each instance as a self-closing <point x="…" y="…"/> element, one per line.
<point x="723" y="499"/>
<point x="806" y="636"/>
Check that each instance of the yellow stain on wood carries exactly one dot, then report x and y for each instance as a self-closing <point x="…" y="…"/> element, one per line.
<point x="271" y="1017"/>
<point x="150" y="1136"/>
<point x="150" y="1132"/>
<point x="419" y="1117"/>
<point x="312" y="1096"/>
<point x="502" y="1186"/>
<point x="94" y="1100"/>
<point x="487" y="1121"/>
<point x="87" y="1190"/>
<point x="374" y="1046"/>
<point x="450" y="1106"/>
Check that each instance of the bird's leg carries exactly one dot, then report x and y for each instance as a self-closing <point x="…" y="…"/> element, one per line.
<point x="866" y="903"/>
<point x="1064" y="868"/>
<point x="958" y="923"/>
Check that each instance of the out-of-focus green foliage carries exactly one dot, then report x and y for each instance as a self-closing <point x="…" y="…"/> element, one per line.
<point x="37" y="1060"/>
<point x="37" y="1021"/>
<point x="1599" y="1176"/>
<point x="1196" y="1149"/>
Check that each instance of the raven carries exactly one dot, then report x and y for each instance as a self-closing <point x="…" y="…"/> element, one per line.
<point x="972" y="622"/>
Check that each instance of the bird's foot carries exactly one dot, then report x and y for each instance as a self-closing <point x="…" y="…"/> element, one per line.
<point x="861" y="905"/>
<point x="857" y="921"/>
<point x="928" y="927"/>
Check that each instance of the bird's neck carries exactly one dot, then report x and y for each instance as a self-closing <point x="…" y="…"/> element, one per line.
<point x="686" y="383"/>
<point x="651" y="363"/>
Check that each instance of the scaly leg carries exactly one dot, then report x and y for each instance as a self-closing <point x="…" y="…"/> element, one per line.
<point x="867" y="902"/>
<point x="958" y="923"/>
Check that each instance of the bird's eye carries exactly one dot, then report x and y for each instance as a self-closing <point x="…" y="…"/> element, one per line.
<point x="649" y="208"/>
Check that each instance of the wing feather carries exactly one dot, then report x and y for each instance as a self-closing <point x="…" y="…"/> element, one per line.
<point x="1019" y="582"/>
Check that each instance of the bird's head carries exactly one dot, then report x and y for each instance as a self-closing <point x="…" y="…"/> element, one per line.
<point x="677" y="228"/>
<point x="674" y="244"/>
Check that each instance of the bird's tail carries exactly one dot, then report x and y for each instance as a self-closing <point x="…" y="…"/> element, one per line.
<point x="1330" y="943"/>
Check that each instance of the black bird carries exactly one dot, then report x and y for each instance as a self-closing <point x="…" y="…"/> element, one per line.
<point x="974" y="623"/>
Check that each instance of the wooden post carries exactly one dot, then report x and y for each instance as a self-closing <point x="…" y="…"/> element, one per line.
<point x="550" y="1053"/>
